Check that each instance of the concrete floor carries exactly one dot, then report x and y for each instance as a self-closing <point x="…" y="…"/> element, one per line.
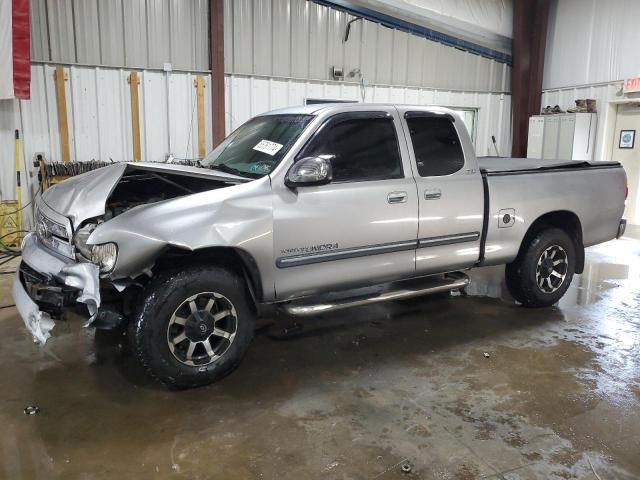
<point x="355" y="396"/>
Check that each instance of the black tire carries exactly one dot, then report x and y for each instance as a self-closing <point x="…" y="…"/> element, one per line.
<point x="524" y="275"/>
<point x="155" y="320"/>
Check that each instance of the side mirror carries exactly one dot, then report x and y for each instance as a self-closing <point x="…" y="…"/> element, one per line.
<point x="309" y="171"/>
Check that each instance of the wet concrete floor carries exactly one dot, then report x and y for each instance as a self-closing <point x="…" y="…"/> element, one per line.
<point x="462" y="387"/>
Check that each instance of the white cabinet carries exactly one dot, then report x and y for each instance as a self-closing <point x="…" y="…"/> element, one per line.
<point x="566" y="136"/>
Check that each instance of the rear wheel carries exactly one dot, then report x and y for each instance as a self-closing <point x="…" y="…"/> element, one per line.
<point x="543" y="271"/>
<point x="193" y="326"/>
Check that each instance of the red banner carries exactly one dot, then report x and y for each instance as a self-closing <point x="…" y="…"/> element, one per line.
<point x="21" y="49"/>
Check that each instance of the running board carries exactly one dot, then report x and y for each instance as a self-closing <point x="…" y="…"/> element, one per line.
<point x="381" y="293"/>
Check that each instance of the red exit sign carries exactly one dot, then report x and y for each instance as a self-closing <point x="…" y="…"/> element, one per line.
<point x="632" y="84"/>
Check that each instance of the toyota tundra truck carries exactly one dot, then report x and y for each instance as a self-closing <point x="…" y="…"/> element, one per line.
<point x="313" y="209"/>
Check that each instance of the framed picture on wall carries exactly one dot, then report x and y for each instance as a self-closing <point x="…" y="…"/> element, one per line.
<point x="627" y="138"/>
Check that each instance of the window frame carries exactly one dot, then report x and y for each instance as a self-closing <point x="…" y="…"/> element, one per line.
<point x="412" y="152"/>
<point x="359" y="115"/>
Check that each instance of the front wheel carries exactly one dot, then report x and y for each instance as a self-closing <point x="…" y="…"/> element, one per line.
<point x="543" y="271"/>
<point x="193" y="326"/>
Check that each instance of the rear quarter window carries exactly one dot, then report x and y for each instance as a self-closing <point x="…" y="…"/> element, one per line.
<point x="436" y="146"/>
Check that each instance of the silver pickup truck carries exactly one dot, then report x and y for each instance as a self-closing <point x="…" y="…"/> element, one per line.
<point x="312" y="208"/>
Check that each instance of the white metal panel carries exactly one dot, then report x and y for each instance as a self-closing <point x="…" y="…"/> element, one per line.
<point x="84" y="114"/>
<point x="154" y="110"/>
<point x="383" y="53"/>
<point x="262" y="37"/>
<point x="229" y="27"/>
<point x="135" y="32"/>
<point x="607" y="36"/>
<point x="400" y="58"/>
<point x="85" y="25"/>
<point x="60" y="23"/>
<point x="243" y="36"/>
<point x="39" y="30"/>
<point x="300" y="12"/>
<point x="160" y="31"/>
<point x="198" y="26"/>
<point x="281" y="51"/>
<point x="111" y="32"/>
<point x="318" y="45"/>
<point x="111" y="115"/>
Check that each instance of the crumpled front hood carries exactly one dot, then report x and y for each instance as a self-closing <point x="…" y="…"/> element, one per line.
<point x="84" y="196"/>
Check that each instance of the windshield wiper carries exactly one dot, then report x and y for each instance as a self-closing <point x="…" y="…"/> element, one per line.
<point x="234" y="171"/>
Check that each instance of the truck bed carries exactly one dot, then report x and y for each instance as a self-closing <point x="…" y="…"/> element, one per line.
<point x="515" y="166"/>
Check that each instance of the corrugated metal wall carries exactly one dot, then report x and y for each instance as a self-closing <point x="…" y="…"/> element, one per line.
<point x="247" y="96"/>
<point x="301" y="39"/>
<point x="123" y="33"/>
<point x="277" y="54"/>
<point x="591" y="41"/>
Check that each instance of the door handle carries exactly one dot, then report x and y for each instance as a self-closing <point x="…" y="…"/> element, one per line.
<point x="397" y="197"/>
<point x="432" y="194"/>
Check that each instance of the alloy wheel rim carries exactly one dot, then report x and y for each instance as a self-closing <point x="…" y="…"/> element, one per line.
<point x="202" y="329"/>
<point x="552" y="269"/>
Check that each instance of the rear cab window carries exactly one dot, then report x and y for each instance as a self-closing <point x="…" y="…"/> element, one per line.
<point x="362" y="146"/>
<point x="436" y="144"/>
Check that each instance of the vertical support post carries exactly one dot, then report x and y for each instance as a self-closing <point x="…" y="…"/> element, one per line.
<point x="216" y="48"/>
<point x="530" y="19"/>
<point x="63" y="122"/>
<point x="135" y="115"/>
<point x="199" y="84"/>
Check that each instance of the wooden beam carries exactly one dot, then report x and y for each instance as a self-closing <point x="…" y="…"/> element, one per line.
<point x="216" y="48"/>
<point x="63" y="122"/>
<point x="199" y="84"/>
<point x="135" y="115"/>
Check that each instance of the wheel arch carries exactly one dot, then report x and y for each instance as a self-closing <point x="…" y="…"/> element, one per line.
<point x="232" y="258"/>
<point x="564" y="220"/>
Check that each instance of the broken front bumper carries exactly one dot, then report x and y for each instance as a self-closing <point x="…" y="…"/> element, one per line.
<point x="46" y="282"/>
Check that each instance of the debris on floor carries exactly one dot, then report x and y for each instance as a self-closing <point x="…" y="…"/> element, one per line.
<point x="31" y="410"/>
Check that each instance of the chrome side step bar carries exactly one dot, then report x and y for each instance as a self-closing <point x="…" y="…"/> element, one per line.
<point x="382" y="293"/>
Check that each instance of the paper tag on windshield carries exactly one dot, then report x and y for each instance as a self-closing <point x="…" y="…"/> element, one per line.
<point x="270" y="148"/>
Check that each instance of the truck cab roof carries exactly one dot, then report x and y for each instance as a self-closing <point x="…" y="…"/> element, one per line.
<point x="315" y="109"/>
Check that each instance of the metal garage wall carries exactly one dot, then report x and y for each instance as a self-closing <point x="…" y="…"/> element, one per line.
<point x="247" y="96"/>
<point x="99" y="116"/>
<point x="591" y="41"/>
<point x="303" y="40"/>
<point x="131" y="33"/>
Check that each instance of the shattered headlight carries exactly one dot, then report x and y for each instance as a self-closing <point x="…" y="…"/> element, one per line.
<point x="103" y="255"/>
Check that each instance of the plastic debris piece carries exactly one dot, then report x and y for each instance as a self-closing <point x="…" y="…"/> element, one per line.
<point x="486" y="355"/>
<point x="31" y="410"/>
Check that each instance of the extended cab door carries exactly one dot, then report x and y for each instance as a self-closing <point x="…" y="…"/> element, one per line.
<point x="362" y="227"/>
<point x="450" y="191"/>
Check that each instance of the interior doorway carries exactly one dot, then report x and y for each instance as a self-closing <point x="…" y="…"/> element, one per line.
<point x="626" y="150"/>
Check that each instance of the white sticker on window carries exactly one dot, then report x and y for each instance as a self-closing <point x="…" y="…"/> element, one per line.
<point x="270" y="148"/>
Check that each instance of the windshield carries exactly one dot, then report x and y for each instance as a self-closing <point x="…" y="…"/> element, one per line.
<point x="256" y="148"/>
